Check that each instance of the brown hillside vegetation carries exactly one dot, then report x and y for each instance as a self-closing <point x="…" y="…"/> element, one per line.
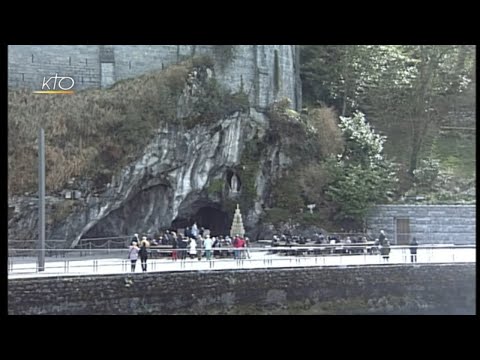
<point x="325" y="121"/>
<point x="91" y="133"/>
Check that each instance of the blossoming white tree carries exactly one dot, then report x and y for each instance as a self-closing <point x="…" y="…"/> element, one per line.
<point x="361" y="175"/>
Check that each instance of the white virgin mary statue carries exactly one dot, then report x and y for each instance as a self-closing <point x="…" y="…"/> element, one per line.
<point x="234" y="183"/>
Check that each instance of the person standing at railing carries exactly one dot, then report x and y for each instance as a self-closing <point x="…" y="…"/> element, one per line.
<point x="167" y="237"/>
<point x="143" y="252"/>
<point x="175" y="239"/>
<point x="133" y="255"/>
<point x="413" y="250"/>
<point x="363" y="240"/>
<point x="385" y="250"/>
<point x="348" y="241"/>
<point x="194" y="230"/>
<point x="382" y="237"/>
<point x="208" y="246"/>
<point x="199" y="247"/>
<point x="241" y="245"/>
<point x="193" y="248"/>
<point x="246" y="245"/>
<point x="182" y="244"/>
<point x="331" y="242"/>
<point x="236" y="244"/>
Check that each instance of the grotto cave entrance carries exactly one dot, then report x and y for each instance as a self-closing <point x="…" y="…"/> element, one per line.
<point x="212" y="218"/>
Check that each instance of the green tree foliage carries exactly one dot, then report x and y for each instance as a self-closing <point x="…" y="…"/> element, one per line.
<point x="412" y="86"/>
<point x="361" y="176"/>
<point x="427" y="173"/>
<point x="286" y="194"/>
<point x="331" y="74"/>
<point x="216" y="102"/>
<point x="363" y="145"/>
<point x="436" y="185"/>
<point x="312" y="182"/>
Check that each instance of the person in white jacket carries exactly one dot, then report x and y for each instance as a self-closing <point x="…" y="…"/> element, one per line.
<point x="133" y="255"/>
<point x="193" y="248"/>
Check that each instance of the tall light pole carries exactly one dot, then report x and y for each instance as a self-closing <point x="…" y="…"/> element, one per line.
<point x="41" y="200"/>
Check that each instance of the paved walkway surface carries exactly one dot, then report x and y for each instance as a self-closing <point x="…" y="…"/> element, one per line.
<point x="26" y="267"/>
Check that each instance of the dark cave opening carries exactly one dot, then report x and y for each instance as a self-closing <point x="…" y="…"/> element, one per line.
<point x="213" y="219"/>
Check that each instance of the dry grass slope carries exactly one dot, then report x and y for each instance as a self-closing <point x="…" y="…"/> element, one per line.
<point x="90" y="133"/>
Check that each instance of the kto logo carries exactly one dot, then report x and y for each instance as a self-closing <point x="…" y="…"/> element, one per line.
<point x="57" y="85"/>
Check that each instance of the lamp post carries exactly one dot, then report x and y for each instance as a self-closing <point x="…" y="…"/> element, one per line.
<point x="41" y="200"/>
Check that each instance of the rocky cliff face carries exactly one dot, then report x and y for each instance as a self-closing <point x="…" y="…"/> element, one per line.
<point x="182" y="176"/>
<point x="185" y="174"/>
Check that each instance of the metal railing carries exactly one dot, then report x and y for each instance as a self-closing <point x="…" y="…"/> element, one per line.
<point x="116" y="260"/>
<point x="117" y="242"/>
<point x="432" y="236"/>
<point x="107" y="243"/>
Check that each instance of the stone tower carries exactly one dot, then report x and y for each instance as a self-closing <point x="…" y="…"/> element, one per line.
<point x="237" y="224"/>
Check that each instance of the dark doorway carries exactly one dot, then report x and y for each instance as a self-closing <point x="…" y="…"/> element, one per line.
<point x="217" y="221"/>
<point x="402" y="231"/>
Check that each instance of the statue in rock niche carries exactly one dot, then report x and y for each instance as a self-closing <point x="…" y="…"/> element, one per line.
<point x="234" y="184"/>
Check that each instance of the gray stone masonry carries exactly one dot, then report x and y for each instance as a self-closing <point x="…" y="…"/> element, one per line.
<point x="251" y="67"/>
<point x="430" y="224"/>
<point x="388" y="289"/>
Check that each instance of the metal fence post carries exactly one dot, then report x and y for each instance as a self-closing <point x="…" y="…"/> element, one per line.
<point x="41" y="201"/>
